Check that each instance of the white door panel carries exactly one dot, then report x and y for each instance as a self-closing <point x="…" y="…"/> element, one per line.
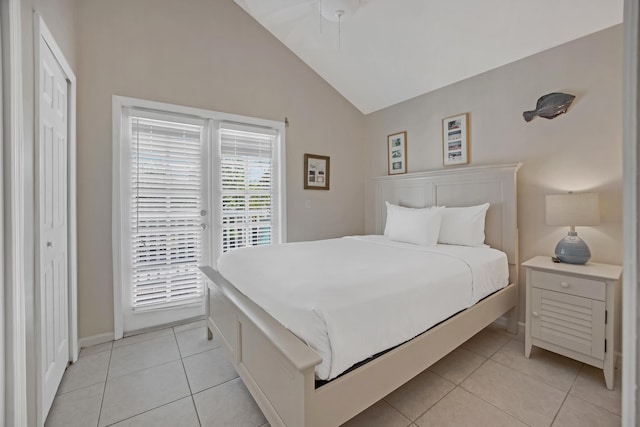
<point x="166" y="222"/>
<point x="52" y="250"/>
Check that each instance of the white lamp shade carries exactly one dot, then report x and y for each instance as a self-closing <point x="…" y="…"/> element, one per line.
<point x="572" y="209"/>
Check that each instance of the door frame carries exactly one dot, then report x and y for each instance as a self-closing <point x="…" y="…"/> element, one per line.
<point x="120" y="102"/>
<point x="41" y="31"/>
<point x="630" y="211"/>
<point x="15" y="366"/>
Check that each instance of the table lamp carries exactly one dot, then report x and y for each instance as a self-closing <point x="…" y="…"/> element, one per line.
<point x="573" y="210"/>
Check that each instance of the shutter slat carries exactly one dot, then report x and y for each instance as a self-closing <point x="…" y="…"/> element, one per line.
<point x="247" y="184"/>
<point x="166" y="238"/>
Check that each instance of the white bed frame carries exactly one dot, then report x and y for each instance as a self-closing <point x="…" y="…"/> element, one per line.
<point x="278" y="368"/>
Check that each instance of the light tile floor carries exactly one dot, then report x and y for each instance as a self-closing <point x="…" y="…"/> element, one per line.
<point x="175" y="377"/>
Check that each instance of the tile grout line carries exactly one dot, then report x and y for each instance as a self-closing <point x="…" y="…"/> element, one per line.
<point x="184" y="369"/>
<point x="193" y="402"/>
<point x="78" y="389"/>
<point x="434" y="404"/>
<point x="135" y="372"/>
<point x="104" y="390"/>
<point x="144" y="412"/>
<point x="153" y="366"/>
<point x="392" y="407"/>
<point x="593" y="404"/>
<point x="535" y="378"/>
<point x="203" y="351"/>
<point x="195" y="409"/>
<point x="145" y="369"/>
<point x="491" y="403"/>
<point x="140" y="370"/>
<point x="112" y="347"/>
<point x="587" y="401"/>
<point x="228" y="381"/>
<point x="553" y="420"/>
<point x="480" y="354"/>
<point x="144" y="340"/>
<point x="84" y="386"/>
<point x="448" y="380"/>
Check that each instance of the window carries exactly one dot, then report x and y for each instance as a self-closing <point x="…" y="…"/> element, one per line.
<point x="166" y="200"/>
<point x="246" y="169"/>
<point x="188" y="185"/>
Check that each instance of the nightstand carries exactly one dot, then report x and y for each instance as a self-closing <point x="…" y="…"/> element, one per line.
<point x="571" y="310"/>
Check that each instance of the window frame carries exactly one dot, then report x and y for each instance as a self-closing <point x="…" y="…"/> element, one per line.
<point x="121" y="179"/>
<point x="218" y="193"/>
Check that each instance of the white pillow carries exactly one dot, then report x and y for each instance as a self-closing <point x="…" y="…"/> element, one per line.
<point x="463" y="226"/>
<point x="418" y="226"/>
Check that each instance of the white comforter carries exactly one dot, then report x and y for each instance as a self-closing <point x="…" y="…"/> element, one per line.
<point x="353" y="297"/>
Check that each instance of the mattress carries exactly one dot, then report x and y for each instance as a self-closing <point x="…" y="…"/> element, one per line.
<point x="353" y="297"/>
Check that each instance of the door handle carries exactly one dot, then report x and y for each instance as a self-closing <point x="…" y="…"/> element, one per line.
<point x="203" y="226"/>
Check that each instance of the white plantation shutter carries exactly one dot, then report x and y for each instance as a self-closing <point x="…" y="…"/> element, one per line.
<point x="166" y="202"/>
<point x="247" y="185"/>
<point x="182" y="195"/>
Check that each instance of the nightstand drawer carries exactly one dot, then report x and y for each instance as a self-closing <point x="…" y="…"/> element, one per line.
<point x="586" y="288"/>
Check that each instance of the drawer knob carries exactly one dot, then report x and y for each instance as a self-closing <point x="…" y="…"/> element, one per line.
<point x="534" y="314"/>
<point x="564" y="284"/>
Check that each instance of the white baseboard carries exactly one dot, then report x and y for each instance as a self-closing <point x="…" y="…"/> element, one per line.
<point x="95" y="339"/>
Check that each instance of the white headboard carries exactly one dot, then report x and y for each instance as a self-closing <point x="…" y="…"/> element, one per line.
<point x="459" y="187"/>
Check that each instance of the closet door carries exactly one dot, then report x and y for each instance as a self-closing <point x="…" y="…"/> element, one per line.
<point x="53" y="252"/>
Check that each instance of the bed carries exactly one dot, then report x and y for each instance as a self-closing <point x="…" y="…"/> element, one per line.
<point x="281" y="371"/>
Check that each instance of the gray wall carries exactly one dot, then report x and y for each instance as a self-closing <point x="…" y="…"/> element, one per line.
<point x="207" y="54"/>
<point x="578" y="151"/>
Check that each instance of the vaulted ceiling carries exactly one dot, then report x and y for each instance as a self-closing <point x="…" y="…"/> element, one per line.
<point x="381" y="52"/>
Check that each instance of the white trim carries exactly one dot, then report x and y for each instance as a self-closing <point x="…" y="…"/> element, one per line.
<point x="95" y="339"/>
<point x="2" y="243"/>
<point x="15" y="362"/>
<point x="41" y="31"/>
<point x="118" y="104"/>
<point x="630" y="215"/>
<point x="281" y="155"/>
<point x="124" y="101"/>
<point x="118" y="280"/>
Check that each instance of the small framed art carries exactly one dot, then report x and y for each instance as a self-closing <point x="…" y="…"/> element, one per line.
<point x="316" y="172"/>
<point x="455" y="140"/>
<point x="397" y="151"/>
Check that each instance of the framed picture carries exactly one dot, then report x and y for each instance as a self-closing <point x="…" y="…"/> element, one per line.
<point x="397" y="152"/>
<point x="455" y="140"/>
<point x="316" y="172"/>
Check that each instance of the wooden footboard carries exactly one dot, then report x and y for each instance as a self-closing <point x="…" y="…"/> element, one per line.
<point x="278" y="368"/>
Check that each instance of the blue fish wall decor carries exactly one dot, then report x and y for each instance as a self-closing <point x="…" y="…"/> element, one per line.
<point x="550" y="106"/>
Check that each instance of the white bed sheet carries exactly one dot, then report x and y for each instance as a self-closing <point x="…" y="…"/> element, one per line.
<point x="353" y="297"/>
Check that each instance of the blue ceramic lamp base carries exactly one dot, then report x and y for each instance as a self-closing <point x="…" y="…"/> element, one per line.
<point x="573" y="250"/>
